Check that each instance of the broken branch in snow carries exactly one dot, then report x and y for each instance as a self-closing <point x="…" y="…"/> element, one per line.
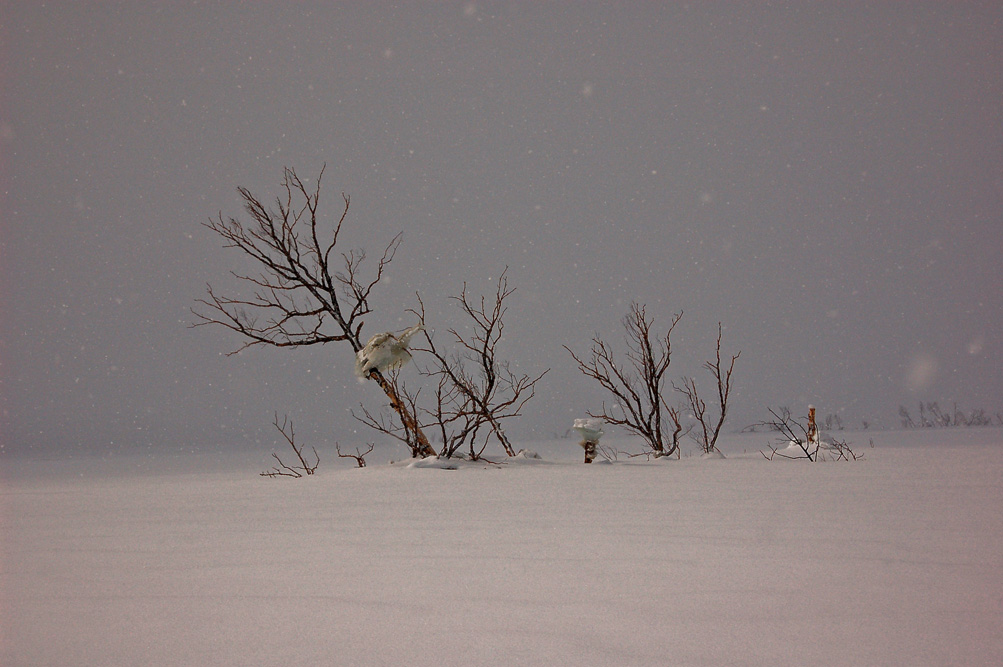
<point x="359" y="455"/>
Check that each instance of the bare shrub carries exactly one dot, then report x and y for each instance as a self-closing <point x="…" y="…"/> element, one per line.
<point x="472" y="390"/>
<point x="448" y="416"/>
<point x="797" y="435"/>
<point x="906" y="418"/>
<point x="359" y="455"/>
<point x="390" y="422"/>
<point x="932" y="416"/>
<point x="833" y="422"/>
<point x="609" y="453"/>
<point x="637" y="385"/>
<point x="283" y="470"/>
<point x="475" y="387"/>
<point x="708" y="429"/>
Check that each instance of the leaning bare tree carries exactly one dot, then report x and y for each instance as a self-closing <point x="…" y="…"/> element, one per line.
<point x="448" y="415"/>
<point x="637" y="386"/>
<point x="708" y="429"/>
<point x="299" y="297"/>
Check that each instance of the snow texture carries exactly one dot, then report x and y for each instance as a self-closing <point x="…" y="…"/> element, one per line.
<point x="895" y="559"/>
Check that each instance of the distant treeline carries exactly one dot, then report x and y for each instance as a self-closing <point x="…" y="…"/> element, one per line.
<point x="932" y="416"/>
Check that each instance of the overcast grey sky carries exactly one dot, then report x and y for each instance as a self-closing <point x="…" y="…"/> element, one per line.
<point x="826" y="179"/>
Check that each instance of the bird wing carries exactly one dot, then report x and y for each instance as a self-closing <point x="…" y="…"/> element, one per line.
<point x="405" y="338"/>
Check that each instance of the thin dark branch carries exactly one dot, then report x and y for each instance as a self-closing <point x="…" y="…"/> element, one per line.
<point x="792" y="432"/>
<point x="359" y="455"/>
<point x="282" y="469"/>
<point x="708" y="430"/>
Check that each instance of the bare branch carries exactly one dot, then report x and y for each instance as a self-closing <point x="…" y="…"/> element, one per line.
<point x="402" y="424"/>
<point x="708" y="431"/>
<point x="289" y="435"/>
<point x="359" y="455"/>
<point x="794" y="433"/>
<point x="298" y="298"/>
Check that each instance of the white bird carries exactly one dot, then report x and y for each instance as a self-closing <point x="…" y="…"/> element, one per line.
<point x="385" y="351"/>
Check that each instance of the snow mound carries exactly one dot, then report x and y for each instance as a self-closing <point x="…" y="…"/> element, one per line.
<point x="525" y="457"/>
<point x="435" y="462"/>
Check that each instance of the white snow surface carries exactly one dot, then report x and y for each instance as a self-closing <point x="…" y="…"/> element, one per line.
<point x="893" y="560"/>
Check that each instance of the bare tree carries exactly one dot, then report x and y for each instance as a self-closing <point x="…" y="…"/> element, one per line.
<point x="455" y="419"/>
<point x="833" y="422"/>
<point x="637" y="386"/>
<point x="299" y="297"/>
<point x="476" y="390"/>
<point x="708" y="429"/>
<point x="978" y="418"/>
<point x="906" y="418"/>
<point x="792" y="432"/>
<point x="448" y="417"/>
<point x="359" y="455"/>
<point x="932" y="416"/>
<point x="283" y="470"/>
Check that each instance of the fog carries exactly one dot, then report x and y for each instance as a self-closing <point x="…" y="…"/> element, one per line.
<point x="824" y="181"/>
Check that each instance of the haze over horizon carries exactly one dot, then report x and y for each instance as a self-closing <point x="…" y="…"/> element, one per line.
<point x="825" y="180"/>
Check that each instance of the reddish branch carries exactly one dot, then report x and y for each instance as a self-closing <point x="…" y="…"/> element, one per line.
<point x="405" y="431"/>
<point x="708" y="430"/>
<point x="359" y="455"/>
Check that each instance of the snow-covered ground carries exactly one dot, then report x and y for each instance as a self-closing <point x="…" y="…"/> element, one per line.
<point x="893" y="560"/>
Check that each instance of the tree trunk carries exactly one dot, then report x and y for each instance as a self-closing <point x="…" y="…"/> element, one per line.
<point x="409" y="421"/>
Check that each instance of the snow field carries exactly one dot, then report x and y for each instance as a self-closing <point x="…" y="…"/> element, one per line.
<point x="892" y="560"/>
